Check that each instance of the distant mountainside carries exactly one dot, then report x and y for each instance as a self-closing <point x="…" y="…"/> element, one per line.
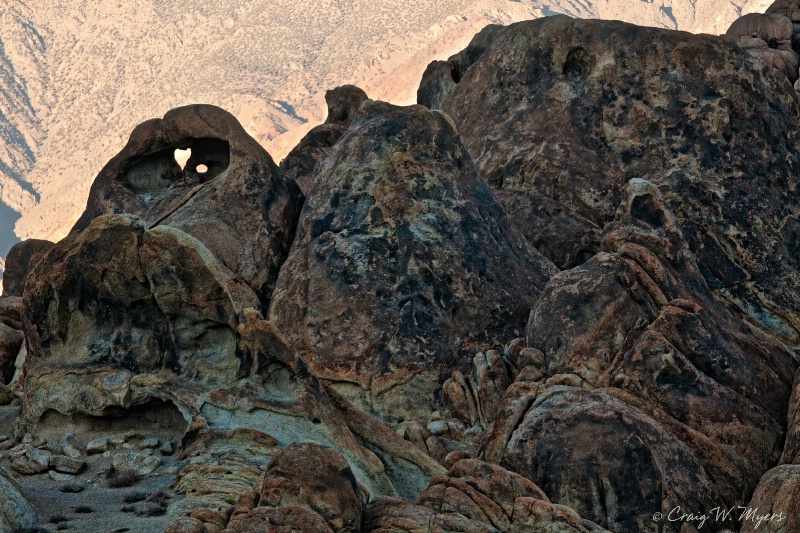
<point x="77" y="76"/>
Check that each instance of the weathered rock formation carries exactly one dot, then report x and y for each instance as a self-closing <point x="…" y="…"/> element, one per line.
<point x="16" y="514"/>
<point x="403" y="263"/>
<point x="22" y="257"/>
<point x="582" y="315"/>
<point x="343" y="103"/>
<point x="769" y="38"/>
<point x="229" y="195"/>
<point x="575" y="109"/>
<point x="124" y="320"/>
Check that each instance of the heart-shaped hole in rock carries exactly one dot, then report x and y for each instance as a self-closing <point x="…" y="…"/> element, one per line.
<point x="182" y="156"/>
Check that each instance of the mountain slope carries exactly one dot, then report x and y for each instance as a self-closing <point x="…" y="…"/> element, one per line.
<point x="78" y="76"/>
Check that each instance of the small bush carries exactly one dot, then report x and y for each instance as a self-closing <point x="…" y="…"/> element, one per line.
<point x="72" y="488"/>
<point x="119" y="479"/>
<point x="57" y="519"/>
<point x="83" y="509"/>
<point x="134" y="496"/>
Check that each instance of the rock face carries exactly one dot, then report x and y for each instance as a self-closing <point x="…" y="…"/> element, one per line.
<point x="775" y="502"/>
<point x="604" y="336"/>
<point x="308" y="481"/>
<point x="230" y="195"/>
<point x="477" y="497"/>
<point x="170" y="340"/>
<point x="343" y="103"/>
<point x="403" y="261"/>
<point x="769" y="39"/>
<point x="575" y="109"/>
<point x="308" y="488"/>
<point x="772" y="37"/>
<point x="22" y="257"/>
<point x="16" y="514"/>
<point x="689" y="400"/>
<point x="119" y="294"/>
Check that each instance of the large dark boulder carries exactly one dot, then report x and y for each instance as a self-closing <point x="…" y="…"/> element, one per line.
<point x="404" y="262"/>
<point x="689" y="401"/>
<point x="574" y="109"/>
<point x="22" y="257"/>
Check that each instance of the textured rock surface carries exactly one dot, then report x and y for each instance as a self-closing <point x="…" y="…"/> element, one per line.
<point x="769" y="38"/>
<point x="16" y="514"/>
<point x="574" y="109"/>
<point x="477" y="497"/>
<point x="216" y="376"/>
<point x="304" y="483"/>
<point x="678" y="418"/>
<point x="343" y="103"/>
<point x="230" y="195"/>
<point x="22" y="257"/>
<point x="403" y="260"/>
<point x="142" y="300"/>
<point x="776" y="502"/>
<point x="497" y="393"/>
<point x="11" y="336"/>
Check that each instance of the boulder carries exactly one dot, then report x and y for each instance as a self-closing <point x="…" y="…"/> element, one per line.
<point x="16" y="514"/>
<point x="676" y="416"/>
<point x="120" y="294"/>
<point x="303" y="480"/>
<point x="21" y="259"/>
<point x="230" y="195"/>
<point x="343" y="103"/>
<point x="575" y="109"/>
<point x="404" y="262"/>
<point x="477" y="497"/>
<point x="10" y="344"/>
<point x="775" y="503"/>
<point x="768" y="37"/>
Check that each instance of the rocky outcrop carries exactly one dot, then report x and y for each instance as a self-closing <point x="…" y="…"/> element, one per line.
<point x="343" y="103"/>
<point x="166" y="329"/>
<point x="308" y="488"/>
<point x="403" y="261"/>
<point x="229" y="195"/>
<point x="775" y="503"/>
<point x="575" y="109"/>
<point x="670" y="378"/>
<point x="303" y="482"/>
<point x="16" y="514"/>
<point x="22" y="257"/>
<point x="769" y="39"/>
<point x="477" y="497"/>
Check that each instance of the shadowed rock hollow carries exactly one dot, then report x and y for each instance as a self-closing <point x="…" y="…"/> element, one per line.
<point x="230" y="194"/>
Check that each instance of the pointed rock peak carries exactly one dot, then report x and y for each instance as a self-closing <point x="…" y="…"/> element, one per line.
<point x="343" y="102"/>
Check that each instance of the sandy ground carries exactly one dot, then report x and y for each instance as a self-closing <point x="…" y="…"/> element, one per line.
<point x="60" y="511"/>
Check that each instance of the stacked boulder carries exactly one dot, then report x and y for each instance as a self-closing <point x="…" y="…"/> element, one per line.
<point x="21" y="258"/>
<point x="771" y="37"/>
<point x="633" y="391"/>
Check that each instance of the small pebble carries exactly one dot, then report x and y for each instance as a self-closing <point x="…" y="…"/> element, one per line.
<point x="152" y="442"/>
<point x="97" y="446"/>
<point x="70" y="451"/>
<point x="167" y="448"/>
